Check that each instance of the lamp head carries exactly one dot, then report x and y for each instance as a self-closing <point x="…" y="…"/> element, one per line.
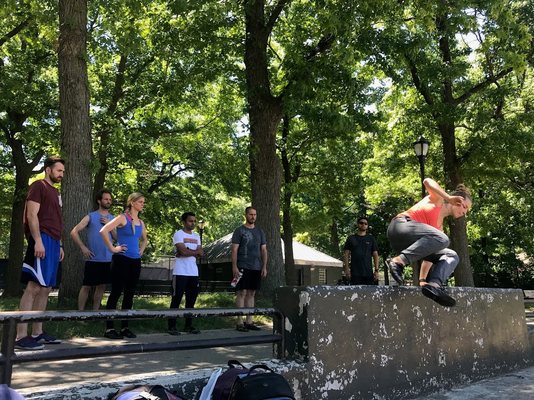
<point x="421" y="147"/>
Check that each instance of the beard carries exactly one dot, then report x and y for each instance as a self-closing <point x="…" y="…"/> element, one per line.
<point x="56" y="179"/>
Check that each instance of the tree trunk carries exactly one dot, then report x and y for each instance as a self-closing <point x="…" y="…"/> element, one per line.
<point x="23" y="172"/>
<point x="334" y="238"/>
<point x="265" y="113"/>
<point x="287" y="225"/>
<point x="75" y="136"/>
<point x="105" y="134"/>
<point x="458" y="229"/>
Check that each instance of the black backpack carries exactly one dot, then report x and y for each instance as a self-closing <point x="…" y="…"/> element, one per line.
<point x="226" y="380"/>
<point x="259" y="385"/>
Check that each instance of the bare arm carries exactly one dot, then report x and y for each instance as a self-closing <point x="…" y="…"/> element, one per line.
<point x="185" y="252"/>
<point x="438" y="195"/>
<point x="32" y="209"/>
<point x="110" y="226"/>
<point x="375" y="259"/>
<point x="235" y="271"/>
<point x="346" y="263"/>
<point x="143" y="242"/>
<point x="264" y="258"/>
<point x="423" y="272"/>
<point x="75" y="235"/>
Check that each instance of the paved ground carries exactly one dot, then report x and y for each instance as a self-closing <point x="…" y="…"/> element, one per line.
<point x="518" y="385"/>
<point x="42" y="375"/>
<point x="38" y="377"/>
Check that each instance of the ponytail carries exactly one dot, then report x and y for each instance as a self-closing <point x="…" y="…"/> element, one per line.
<point x="462" y="191"/>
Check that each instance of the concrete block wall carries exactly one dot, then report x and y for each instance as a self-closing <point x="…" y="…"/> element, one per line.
<point x="378" y="342"/>
<point x="374" y="342"/>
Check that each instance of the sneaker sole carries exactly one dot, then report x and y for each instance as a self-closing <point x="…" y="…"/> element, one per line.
<point x="40" y="347"/>
<point x="442" y="299"/>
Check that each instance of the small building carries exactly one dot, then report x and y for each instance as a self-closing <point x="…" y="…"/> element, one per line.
<point x="312" y="266"/>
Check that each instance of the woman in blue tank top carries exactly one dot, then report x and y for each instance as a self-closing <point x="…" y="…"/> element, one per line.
<point x="126" y="260"/>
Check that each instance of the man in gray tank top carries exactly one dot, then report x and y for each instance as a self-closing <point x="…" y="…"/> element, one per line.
<point x="97" y="273"/>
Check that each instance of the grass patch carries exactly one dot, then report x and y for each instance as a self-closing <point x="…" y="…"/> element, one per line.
<point x="70" y="329"/>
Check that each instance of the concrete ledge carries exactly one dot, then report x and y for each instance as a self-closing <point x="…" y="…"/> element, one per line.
<point x="371" y="342"/>
<point x="378" y="342"/>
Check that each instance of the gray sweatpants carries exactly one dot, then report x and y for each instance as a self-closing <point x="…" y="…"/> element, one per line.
<point x="415" y="241"/>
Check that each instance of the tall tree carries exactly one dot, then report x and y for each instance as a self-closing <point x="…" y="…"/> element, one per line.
<point x="427" y="47"/>
<point x="265" y="112"/>
<point x="76" y="143"/>
<point x="266" y="95"/>
<point x="27" y="108"/>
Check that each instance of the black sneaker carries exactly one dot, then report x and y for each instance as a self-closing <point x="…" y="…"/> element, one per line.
<point x="252" y="327"/>
<point x="173" y="332"/>
<point x="28" y="343"/>
<point x="241" y="328"/>
<point x="112" y="334"/>
<point x="396" y="270"/>
<point x="191" y="329"/>
<point x="128" y="333"/>
<point x="439" y="295"/>
<point x="45" y="338"/>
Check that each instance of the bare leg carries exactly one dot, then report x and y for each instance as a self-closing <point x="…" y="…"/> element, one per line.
<point x="249" y="303"/>
<point x="82" y="297"/>
<point x="240" y="302"/>
<point x="39" y="304"/>
<point x="26" y="304"/>
<point x="97" y="297"/>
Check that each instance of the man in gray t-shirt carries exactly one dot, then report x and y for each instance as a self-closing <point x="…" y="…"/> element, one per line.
<point x="249" y="258"/>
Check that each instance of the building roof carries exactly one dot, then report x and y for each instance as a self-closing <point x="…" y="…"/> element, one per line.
<point x="219" y="252"/>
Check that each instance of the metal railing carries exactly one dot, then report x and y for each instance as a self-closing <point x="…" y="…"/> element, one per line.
<point x="9" y="320"/>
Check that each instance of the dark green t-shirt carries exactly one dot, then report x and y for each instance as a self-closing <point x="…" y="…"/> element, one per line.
<point x="249" y="251"/>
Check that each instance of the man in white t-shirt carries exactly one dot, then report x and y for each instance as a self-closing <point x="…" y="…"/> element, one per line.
<point x="185" y="273"/>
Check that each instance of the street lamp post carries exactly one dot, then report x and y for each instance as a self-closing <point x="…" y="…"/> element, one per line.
<point x="201" y="224"/>
<point x="421" y="150"/>
<point x="200" y="227"/>
<point x="420" y="147"/>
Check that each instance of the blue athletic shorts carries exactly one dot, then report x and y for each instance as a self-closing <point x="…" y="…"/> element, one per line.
<point x="41" y="270"/>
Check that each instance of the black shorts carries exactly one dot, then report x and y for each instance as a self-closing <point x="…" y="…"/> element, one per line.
<point x="362" y="280"/>
<point x="251" y="280"/>
<point x="96" y="273"/>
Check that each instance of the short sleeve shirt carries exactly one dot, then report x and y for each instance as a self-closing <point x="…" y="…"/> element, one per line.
<point x="49" y="215"/>
<point x="186" y="265"/>
<point x="361" y="251"/>
<point x="249" y="251"/>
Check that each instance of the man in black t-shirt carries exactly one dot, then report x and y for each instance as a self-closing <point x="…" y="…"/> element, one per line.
<point x="359" y="249"/>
